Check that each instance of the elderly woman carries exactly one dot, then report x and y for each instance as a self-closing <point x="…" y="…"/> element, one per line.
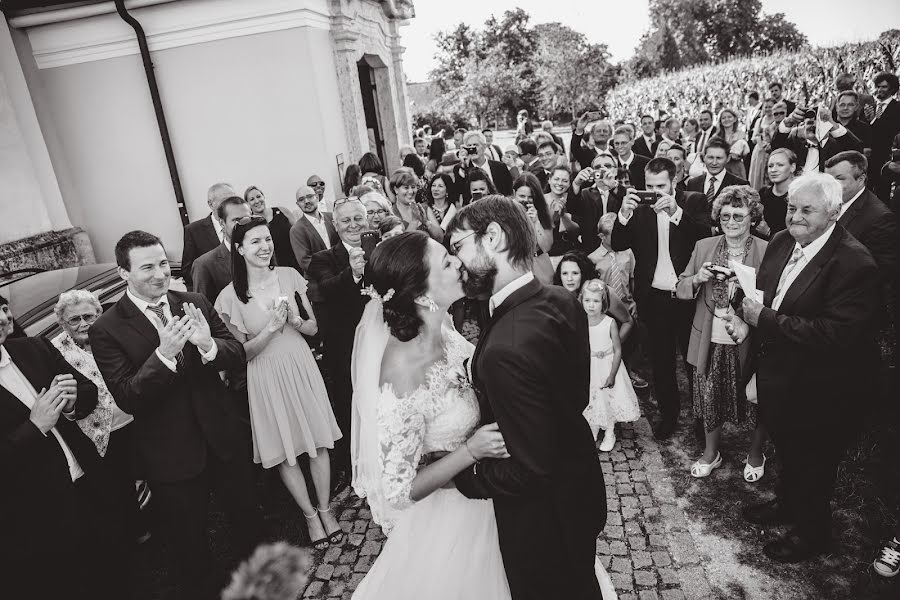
<point x="377" y="206"/>
<point x="721" y="365"/>
<point x="404" y="185"/>
<point x="279" y="225"/>
<point x="108" y="425"/>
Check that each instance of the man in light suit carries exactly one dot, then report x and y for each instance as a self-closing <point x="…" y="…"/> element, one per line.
<point x="205" y="234"/>
<point x="313" y="231"/>
<point x="211" y="272"/>
<point x="160" y="353"/>
<point x="815" y="350"/>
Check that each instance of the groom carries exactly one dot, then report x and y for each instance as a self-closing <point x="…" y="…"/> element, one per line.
<point x="531" y="371"/>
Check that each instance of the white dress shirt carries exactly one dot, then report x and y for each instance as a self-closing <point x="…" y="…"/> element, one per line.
<point x="18" y="385"/>
<point x="319" y="225"/>
<point x="507" y="290"/>
<point x="664" y="276"/>
<point x="822" y="135"/>
<point x="142" y="305"/>
<point x="702" y="138"/>
<point x="809" y="252"/>
<point x="849" y="202"/>
<point x="486" y="169"/>
<point x="650" y="140"/>
<point x="627" y="163"/>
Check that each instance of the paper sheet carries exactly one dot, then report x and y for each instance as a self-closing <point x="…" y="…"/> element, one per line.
<point x="747" y="278"/>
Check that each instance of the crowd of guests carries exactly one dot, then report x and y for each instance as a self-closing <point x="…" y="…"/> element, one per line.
<point x="649" y="220"/>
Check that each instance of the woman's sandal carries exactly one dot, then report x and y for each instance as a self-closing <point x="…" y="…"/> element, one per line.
<point x="321" y="543"/>
<point x="699" y="469"/>
<point x="754" y="474"/>
<point x="336" y="537"/>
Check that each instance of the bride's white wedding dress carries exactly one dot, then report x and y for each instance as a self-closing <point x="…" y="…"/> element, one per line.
<point x="445" y="546"/>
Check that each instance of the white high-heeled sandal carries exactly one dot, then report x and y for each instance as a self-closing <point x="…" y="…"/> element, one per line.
<point x="753" y="474"/>
<point x="699" y="469"/>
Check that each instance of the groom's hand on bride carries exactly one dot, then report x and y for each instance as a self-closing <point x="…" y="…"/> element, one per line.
<point x="487" y="442"/>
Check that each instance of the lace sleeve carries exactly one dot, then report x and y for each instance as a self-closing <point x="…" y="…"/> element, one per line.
<point x="401" y="433"/>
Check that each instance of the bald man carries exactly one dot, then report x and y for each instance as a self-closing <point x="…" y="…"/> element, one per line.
<point x="313" y="231"/>
<point x="205" y="234"/>
<point x="316" y="183"/>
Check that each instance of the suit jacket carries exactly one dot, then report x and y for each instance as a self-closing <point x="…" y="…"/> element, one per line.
<point x="796" y="142"/>
<point x="199" y="238"/>
<point x="815" y="350"/>
<point x="499" y="175"/>
<point x="642" y="149"/>
<point x="538" y="171"/>
<point x="861" y="130"/>
<point x="873" y="224"/>
<point x="640" y="235"/>
<point x="636" y="171"/>
<point x="306" y="241"/>
<point x="531" y="372"/>
<point x="211" y="272"/>
<point x="587" y="211"/>
<point x="884" y="129"/>
<point x="337" y="302"/>
<point x="178" y="417"/>
<point x="37" y="506"/>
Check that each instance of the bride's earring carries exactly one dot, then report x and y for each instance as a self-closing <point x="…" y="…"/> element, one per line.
<point x="432" y="305"/>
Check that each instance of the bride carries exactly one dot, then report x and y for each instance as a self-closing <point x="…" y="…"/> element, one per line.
<point x="413" y="430"/>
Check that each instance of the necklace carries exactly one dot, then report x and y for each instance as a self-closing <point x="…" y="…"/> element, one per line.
<point x="738" y="252"/>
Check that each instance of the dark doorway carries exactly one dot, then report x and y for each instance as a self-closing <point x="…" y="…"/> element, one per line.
<point x="370" y="108"/>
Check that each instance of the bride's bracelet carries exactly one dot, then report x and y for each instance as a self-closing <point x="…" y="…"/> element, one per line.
<point x="472" y="454"/>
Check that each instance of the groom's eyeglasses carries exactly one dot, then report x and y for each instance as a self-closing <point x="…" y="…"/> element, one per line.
<point x="455" y="246"/>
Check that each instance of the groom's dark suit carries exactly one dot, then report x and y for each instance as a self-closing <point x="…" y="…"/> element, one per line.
<point x="531" y="371"/>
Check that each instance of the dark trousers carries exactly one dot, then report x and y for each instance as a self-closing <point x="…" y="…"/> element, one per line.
<point x="341" y="402"/>
<point x="182" y="509"/>
<point x="118" y="459"/>
<point x="668" y="323"/>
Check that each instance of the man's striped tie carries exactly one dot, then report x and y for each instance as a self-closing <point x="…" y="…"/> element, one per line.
<point x="157" y="309"/>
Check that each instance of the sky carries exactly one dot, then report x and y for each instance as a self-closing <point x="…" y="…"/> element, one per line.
<point x="620" y="23"/>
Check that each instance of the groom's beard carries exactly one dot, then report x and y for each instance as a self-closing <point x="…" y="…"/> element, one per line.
<point x="478" y="278"/>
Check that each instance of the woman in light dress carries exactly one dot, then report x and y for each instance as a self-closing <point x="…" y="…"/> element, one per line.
<point x="289" y="410"/>
<point x="413" y="430"/>
<point x="736" y="140"/>
<point x="762" y="138"/>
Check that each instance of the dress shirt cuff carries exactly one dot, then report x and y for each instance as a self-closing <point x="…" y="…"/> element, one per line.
<point x="171" y="364"/>
<point x="623" y="219"/>
<point x="70" y="415"/>
<point x="783" y="128"/>
<point x="839" y="131"/>
<point x="210" y="356"/>
<point x="676" y="217"/>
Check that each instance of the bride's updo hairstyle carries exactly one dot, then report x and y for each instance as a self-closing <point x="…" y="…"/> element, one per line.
<point x="400" y="264"/>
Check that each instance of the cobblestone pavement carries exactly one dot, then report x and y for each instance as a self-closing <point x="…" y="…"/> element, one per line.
<point x="646" y="546"/>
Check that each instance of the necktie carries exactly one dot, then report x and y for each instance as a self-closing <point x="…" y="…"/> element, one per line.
<point x="711" y="191"/>
<point x="157" y="309"/>
<point x="796" y="255"/>
<point x="879" y="109"/>
<point x="702" y="143"/>
<point x="617" y="279"/>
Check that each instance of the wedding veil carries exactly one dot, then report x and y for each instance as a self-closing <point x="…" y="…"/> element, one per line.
<point x="365" y="450"/>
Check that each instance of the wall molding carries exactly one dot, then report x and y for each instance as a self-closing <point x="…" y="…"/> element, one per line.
<point x="170" y="25"/>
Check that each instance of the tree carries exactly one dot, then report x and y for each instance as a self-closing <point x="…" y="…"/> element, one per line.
<point x="487" y="84"/>
<point x="775" y="32"/>
<point x="453" y="50"/>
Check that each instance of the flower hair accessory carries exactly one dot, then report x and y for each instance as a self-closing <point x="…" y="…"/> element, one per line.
<point x="371" y="292"/>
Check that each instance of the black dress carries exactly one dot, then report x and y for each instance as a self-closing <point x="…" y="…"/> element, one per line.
<point x="774" y="209"/>
<point x="280" y="227"/>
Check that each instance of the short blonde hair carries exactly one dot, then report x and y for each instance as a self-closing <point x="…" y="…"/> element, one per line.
<point x="73" y="297"/>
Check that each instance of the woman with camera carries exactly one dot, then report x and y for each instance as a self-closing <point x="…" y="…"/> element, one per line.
<point x="565" y="229"/>
<point x="527" y="192"/>
<point x="720" y="365"/>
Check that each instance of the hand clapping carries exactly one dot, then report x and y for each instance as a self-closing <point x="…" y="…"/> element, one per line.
<point x="174" y="335"/>
<point x="51" y="403"/>
<point x="200" y="334"/>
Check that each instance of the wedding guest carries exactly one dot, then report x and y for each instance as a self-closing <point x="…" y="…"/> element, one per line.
<point x="58" y="515"/>
<point x="390" y="226"/>
<point x="476" y="185"/>
<point x="212" y="271"/>
<point x="316" y="183"/>
<point x="815" y="346"/>
<point x="313" y="231"/>
<point x="371" y="169"/>
<point x="416" y="217"/>
<point x="108" y="426"/>
<point x="527" y="192"/>
<point x="722" y="367"/>
<point x="437" y="197"/>
<point x="565" y="229"/>
<point x="351" y="178"/>
<point x="737" y="143"/>
<point x="335" y="277"/>
<point x="279" y="225"/>
<point x="884" y="118"/>
<point x="598" y="193"/>
<point x="436" y="151"/>
<point x="813" y="144"/>
<point x="160" y="353"/>
<point x="715" y="159"/>
<point x="762" y="145"/>
<point x="205" y="234"/>
<point x="612" y="398"/>
<point x="573" y="271"/>
<point x="377" y="206"/>
<point x="782" y="166"/>
<point x="615" y="269"/>
<point x="289" y="410"/>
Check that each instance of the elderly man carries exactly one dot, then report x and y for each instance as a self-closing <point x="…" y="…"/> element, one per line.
<point x="316" y="183"/>
<point x="814" y="137"/>
<point x="58" y="512"/>
<point x="205" y="234"/>
<point x="313" y="231"/>
<point x="584" y="150"/>
<point x="211" y="273"/>
<point x="815" y="353"/>
<point x="336" y="278"/>
<point x="475" y="145"/>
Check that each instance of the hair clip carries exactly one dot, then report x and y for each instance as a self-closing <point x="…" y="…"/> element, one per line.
<point x="372" y="293"/>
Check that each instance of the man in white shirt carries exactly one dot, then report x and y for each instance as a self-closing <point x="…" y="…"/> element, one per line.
<point x="706" y="132"/>
<point x="816" y="358"/>
<point x="814" y="137"/>
<point x="56" y="506"/>
<point x="313" y="231"/>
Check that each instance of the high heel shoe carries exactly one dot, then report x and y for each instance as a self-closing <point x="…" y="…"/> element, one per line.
<point x="336" y="537"/>
<point x="753" y="474"/>
<point x="321" y="543"/>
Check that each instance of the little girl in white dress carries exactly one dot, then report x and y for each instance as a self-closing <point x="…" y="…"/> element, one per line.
<point x="612" y="397"/>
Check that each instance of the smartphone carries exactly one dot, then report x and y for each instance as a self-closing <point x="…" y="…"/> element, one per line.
<point x="367" y="241"/>
<point x="477" y="196"/>
<point x="647" y="196"/>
